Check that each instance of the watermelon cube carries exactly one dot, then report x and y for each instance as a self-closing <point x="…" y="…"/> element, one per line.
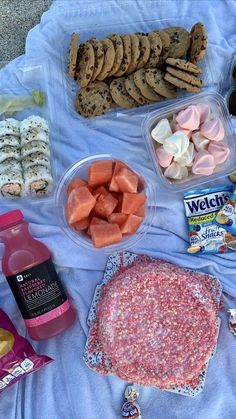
<point x="105" y="235"/>
<point x="80" y="203"/>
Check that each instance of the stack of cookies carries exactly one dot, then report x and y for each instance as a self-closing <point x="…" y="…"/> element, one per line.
<point x="137" y="69"/>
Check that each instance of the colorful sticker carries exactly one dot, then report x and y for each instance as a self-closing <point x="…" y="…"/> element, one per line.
<point x="201" y="208"/>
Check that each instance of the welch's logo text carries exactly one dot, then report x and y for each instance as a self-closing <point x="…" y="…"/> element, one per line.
<point x="198" y="205"/>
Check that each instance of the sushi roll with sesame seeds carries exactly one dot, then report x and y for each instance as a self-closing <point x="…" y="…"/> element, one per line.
<point x="10" y="126"/>
<point x="35" y="124"/>
<point x="10" y="164"/>
<point x="9" y="152"/>
<point x="11" y="140"/>
<point x="38" y="181"/>
<point x="11" y="184"/>
<point x="28" y="136"/>
<point x="35" y="147"/>
<point x="34" y="159"/>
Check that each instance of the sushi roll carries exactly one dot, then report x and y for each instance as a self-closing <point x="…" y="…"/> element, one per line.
<point x="8" y="152"/>
<point x="11" y="140"/>
<point x="11" y="184"/>
<point x="10" y="164"/>
<point x="38" y="181"/>
<point x="10" y="126"/>
<point x="35" y="124"/>
<point x="34" y="159"/>
<point x="35" y="147"/>
<point x="28" y="136"/>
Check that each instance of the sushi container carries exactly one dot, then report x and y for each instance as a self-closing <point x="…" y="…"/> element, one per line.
<point x="218" y="109"/>
<point x="80" y="170"/>
<point x="29" y="162"/>
<point x="115" y="25"/>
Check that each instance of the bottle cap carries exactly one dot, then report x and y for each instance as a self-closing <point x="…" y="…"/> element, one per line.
<point x="10" y="218"/>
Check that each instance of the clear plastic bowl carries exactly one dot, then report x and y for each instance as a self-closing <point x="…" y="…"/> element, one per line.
<point x="218" y="109"/>
<point x="79" y="169"/>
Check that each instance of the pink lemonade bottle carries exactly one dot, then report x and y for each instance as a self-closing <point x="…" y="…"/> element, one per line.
<point x="29" y="270"/>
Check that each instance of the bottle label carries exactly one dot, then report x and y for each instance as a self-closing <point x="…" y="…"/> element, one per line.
<point x="38" y="291"/>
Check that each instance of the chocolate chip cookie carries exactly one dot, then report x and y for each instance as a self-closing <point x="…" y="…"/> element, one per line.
<point x="119" y="51"/>
<point x="109" y="58"/>
<point x="133" y="91"/>
<point x="98" y="57"/>
<point x="181" y="84"/>
<point x="184" y="75"/>
<point x="126" y="40"/>
<point x="135" y="53"/>
<point x="198" y="43"/>
<point x="143" y="86"/>
<point x="144" y="45"/>
<point x="179" y="41"/>
<point x="184" y="65"/>
<point x="74" y="45"/>
<point x="119" y="94"/>
<point x="85" y="64"/>
<point x="155" y="79"/>
<point x="165" y="39"/>
<point x="155" y="50"/>
<point x="93" y="100"/>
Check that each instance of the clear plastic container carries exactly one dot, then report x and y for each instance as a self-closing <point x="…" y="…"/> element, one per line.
<point x="79" y="169"/>
<point x="21" y="81"/>
<point x="218" y="109"/>
<point x="87" y="31"/>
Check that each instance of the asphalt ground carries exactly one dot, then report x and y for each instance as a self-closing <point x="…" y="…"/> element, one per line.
<point x="17" y="17"/>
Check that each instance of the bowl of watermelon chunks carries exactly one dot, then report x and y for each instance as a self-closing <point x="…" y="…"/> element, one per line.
<point x="103" y="203"/>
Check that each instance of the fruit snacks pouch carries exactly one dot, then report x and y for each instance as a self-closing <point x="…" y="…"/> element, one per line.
<point x="201" y="208"/>
<point x="226" y="218"/>
<point x="17" y="356"/>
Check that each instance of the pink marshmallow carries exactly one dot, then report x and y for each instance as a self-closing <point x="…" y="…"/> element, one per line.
<point x="203" y="163"/>
<point x="177" y="127"/>
<point x="189" y="118"/>
<point x="204" y="111"/>
<point x="219" y="151"/>
<point x="163" y="157"/>
<point x="213" y="130"/>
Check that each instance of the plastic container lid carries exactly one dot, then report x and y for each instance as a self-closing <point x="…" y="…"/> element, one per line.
<point x="10" y="218"/>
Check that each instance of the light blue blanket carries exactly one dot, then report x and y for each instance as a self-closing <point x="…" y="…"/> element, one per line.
<point x="67" y="389"/>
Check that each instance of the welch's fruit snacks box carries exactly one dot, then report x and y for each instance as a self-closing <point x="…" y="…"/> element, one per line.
<point x="201" y="208"/>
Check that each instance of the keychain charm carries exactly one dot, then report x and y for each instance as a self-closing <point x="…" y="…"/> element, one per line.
<point x="130" y="408"/>
<point x="232" y="320"/>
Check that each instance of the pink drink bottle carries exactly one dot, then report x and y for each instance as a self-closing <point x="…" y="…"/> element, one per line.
<point x="29" y="270"/>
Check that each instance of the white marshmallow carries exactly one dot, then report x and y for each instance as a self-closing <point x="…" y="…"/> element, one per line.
<point x="177" y="144"/>
<point x="187" y="158"/>
<point x="161" y="131"/>
<point x="175" y="171"/>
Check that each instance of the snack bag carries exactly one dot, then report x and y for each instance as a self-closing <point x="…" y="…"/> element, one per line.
<point x="201" y="208"/>
<point x="17" y="357"/>
<point x="226" y="218"/>
<point x="130" y="408"/>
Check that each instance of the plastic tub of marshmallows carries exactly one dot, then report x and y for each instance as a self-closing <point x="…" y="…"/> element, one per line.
<point x="191" y="142"/>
